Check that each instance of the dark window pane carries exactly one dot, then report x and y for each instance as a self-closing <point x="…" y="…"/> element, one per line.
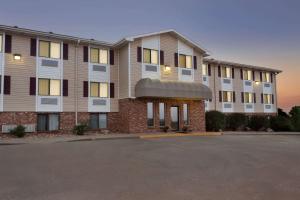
<point x="42" y="123"/>
<point x="94" y="121"/>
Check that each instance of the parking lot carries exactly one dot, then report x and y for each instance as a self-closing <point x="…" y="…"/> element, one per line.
<point x="216" y="167"/>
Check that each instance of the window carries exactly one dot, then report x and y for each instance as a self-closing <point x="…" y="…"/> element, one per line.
<point x="150" y="116"/>
<point x="98" y="120"/>
<point x="247" y="75"/>
<point x="266" y="77"/>
<point x="49" y="87"/>
<point x="185" y="61"/>
<point x="185" y="114"/>
<point x="161" y="114"/>
<point x="267" y="99"/>
<point x="226" y="72"/>
<point x="1" y="42"/>
<point x="227" y="96"/>
<point x="248" y="97"/>
<point x="150" y="56"/>
<point x="99" y="89"/>
<point x="47" y="122"/>
<point x="49" y="49"/>
<point x="204" y="69"/>
<point x="98" y="56"/>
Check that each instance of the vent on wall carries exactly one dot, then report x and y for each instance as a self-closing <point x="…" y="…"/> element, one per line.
<point x="49" y="101"/>
<point x="248" y="83"/>
<point x="267" y="85"/>
<point x="268" y="107"/>
<point x="227" y="105"/>
<point x="226" y="81"/>
<point x="151" y="68"/>
<point x="186" y="72"/>
<point x="99" y="68"/>
<point x="49" y="63"/>
<point x="99" y="102"/>
<point x="249" y="106"/>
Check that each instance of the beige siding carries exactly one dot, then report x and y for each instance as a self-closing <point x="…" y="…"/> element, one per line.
<point x="258" y="89"/>
<point x="198" y="71"/>
<point x="136" y="67"/>
<point x="20" y="72"/>
<point x="238" y="87"/>
<point x="169" y="45"/>
<point x="114" y="78"/>
<point x="69" y="74"/>
<point x="82" y="76"/>
<point x="123" y="72"/>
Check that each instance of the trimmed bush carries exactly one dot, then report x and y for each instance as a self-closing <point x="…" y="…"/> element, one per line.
<point x="19" y="131"/>
<point x="165" y="129"/>
<point x="215" y="121"/>
<point x="295" y="117"/>
<point x="258" y="123"/>
<point x="280" y="123"/>
<point x="236" y="121"/>
<point x="80" y="129"/>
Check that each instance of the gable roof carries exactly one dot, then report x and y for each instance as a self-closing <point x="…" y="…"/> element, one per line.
<point x="170" y="31"/>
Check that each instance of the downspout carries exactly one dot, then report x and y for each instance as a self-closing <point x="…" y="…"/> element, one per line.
<point x="276" y="99"/>
<point x="215" y="92"/>
<point x="76" y="82"/>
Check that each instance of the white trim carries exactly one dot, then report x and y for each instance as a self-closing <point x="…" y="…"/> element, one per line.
<point x="130" y="39"/>
<point x="61" y="76"/>
<point x="129" y="72"/>
<point x="37" y="74"/>
<point x="2" y="71"/>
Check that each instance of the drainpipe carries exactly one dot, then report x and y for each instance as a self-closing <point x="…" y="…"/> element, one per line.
<point x="215" y="92"/>
<point x="76" y="82"/>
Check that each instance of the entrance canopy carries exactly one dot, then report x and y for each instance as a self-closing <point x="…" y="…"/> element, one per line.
<point x="171" y="89"/>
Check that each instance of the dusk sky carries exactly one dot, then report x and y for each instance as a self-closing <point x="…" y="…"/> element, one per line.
<point x="264" y="33"/>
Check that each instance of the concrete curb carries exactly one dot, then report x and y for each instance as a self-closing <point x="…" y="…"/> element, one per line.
<point x="150" y="136"/>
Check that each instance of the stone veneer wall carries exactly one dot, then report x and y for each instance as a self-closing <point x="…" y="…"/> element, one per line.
<point x="133" y="114"/>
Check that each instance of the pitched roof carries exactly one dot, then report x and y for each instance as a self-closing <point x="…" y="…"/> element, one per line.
<point x="234" y="64"/>
<point x="171" y="31"/>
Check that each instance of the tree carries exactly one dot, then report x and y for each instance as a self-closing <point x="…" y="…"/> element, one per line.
<point x="295" y="117"/>
<point x="282" y="113"/>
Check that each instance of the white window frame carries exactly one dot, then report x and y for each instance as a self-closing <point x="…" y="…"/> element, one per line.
<point x="50" y="49"/>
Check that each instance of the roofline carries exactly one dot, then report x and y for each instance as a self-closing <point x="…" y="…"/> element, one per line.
<point x="16" y="29"/>
<point x="132" y="38"/>
<point x="214" y="61"/>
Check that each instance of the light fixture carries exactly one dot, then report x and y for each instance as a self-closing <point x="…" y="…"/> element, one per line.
<point x="17" y="56"/>
<point x="256" y="82"/>
<point x="167" y="69"/>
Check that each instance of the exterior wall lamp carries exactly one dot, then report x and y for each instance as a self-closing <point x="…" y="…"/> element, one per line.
<point x="256" y="82"/>
<point x="167" y="69"/>
<point x="17" y="56"/>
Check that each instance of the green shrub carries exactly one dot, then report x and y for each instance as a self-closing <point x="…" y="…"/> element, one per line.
<point x="165" y="128"/>
<point x="185" y="129"/>
<point x="295" y="117"/>
<point x="19" y="131"/>
<point x="280" y="123"/>
<point x="236" y="121"/>
<point x="258" y="123"/>
<point x="80" y="129"/>
<point x="215" y="121"/>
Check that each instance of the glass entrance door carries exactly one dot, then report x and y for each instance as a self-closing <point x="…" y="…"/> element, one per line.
<point x="174" y="118"/>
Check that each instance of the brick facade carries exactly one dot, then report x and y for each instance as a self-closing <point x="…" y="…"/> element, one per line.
<point x="18" y="118"/>
<point x="133" y="114"/>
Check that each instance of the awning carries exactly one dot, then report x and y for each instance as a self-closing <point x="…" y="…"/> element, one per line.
<point x="171" y="89"/>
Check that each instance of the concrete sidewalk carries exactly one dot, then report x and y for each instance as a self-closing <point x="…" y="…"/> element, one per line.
<point x="91" y="137"/>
